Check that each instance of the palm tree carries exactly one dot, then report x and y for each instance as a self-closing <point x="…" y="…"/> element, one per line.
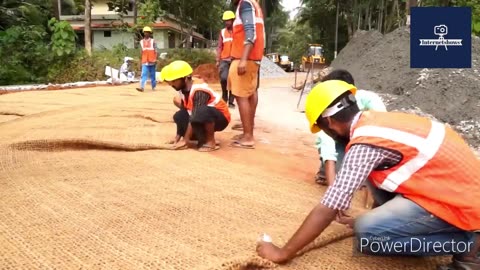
<point x="88" y="25"/>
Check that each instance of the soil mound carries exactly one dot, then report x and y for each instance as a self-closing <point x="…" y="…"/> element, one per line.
<point x="381" y="63"/>
<point x="208" y="72"/>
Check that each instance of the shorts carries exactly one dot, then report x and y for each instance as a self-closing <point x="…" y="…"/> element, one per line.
<point x="246" y="84"/>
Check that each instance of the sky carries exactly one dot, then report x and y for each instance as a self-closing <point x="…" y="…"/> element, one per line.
<point x="290" y="6"/>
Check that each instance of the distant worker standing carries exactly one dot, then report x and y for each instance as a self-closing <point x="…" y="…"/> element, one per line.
<point x="148" y="59"/>
<point x="247" y="53"/>
<point x="224" y="58"/>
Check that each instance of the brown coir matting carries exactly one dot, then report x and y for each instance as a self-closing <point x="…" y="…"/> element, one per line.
<point x="86" y="183"/>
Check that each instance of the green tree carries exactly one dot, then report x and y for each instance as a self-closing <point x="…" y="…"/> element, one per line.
<point x="193" y="15"/>
<point x="276" y="20"/>
<point x="27" y="12"/>
<point x="474" y="4"/>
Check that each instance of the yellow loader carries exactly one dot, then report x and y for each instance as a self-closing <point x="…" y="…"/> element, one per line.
<point x="281" y="60"/>
<point x="313" y="58"/>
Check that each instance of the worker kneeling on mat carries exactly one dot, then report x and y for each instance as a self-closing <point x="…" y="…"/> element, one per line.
<point x="424" y="178"/>
<point x="202" y="110"/>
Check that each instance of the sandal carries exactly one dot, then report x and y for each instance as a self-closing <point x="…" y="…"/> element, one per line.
<point x="238" y="144"/>
<point x="208" y="148"/>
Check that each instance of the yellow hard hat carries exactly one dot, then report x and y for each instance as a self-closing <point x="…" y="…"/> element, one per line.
<point x="163" y="73"/>
<point x="147" y="29"/>
<point x="176" y="70"/>
<point x="228" y="15"/>
<point x="321" y="96"/>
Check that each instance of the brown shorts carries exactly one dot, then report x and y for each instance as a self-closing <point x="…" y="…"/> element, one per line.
<point x="246" y="84"/>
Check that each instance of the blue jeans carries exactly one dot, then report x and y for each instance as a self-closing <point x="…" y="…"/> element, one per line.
<point x="401" y="227"/>
<point x="148" y="70"/>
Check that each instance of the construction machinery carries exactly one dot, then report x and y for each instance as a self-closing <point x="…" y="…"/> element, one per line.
<point x="313" y="58"/>
<point x="282" y="61"/>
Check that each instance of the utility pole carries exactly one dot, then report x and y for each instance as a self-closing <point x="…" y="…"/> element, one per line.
<point x="336" y="31"/>
<point x="88" y="27"/>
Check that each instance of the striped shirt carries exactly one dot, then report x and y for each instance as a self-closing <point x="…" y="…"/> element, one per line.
<point x="359" y="162"/>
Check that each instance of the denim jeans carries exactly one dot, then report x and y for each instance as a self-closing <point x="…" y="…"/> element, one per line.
<point x="146" y="71"/>
<point x="401" y="227"/>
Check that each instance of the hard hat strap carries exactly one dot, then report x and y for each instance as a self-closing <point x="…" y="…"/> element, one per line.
<point x="342" y="104"/>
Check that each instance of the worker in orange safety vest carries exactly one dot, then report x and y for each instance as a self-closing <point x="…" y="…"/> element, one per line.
<point x="243" y="77"/>
<point x="149" y="59"/>
<point x="423" y="176"/>
<point x="224" y="57"/>
<point x="202" y="111"/>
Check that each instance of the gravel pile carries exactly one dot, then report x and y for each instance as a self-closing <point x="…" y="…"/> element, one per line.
<point x="381" y="63"/>
<point x="269" y="69"/>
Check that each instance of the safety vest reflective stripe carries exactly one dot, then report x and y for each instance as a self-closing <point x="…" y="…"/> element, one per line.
<point x="214" y="97"/>
<point x="147" y="46"/>
<point x="427" y="148"/>
<point x="256" y="53"/>
<point x="226" y="38"/>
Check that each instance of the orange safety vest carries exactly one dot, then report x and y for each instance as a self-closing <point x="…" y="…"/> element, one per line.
<point x="149" y="55"/>
<point x="438" y="170"/>
<point x="256" y="53"/>
<point x="227" y="38"/>
<point x="214" y="101"/>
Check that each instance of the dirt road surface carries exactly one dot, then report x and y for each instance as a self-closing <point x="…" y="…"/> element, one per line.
<point x="85" y="183"/>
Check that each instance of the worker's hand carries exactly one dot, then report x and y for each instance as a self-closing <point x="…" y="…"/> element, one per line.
<point x="175" y="140"/>
<point x="242" y="67"/>
<point x="217" y="64"/>
<point x="271" y="252"/>
<point x="345" y="219"/>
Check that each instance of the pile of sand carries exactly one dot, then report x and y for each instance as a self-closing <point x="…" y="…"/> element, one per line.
<point x="381" y="63"/>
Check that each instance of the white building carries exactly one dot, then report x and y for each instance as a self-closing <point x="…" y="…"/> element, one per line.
<point x="106" y="28"/>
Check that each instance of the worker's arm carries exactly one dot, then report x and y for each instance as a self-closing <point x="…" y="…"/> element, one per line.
<point x="188" y="135"/>
<point x="199" y="99"/>
<point x="330" y="171"/>
<point x="156" y="49"/>
<point x="247" y="16"/>
<point x="359" y="162"/>
<point x="177" y="101"/>
<point x="219" y="48"/>
<point x="329" y="154"/>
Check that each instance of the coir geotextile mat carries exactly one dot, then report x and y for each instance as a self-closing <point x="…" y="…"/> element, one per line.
<point x="86" y="183"/>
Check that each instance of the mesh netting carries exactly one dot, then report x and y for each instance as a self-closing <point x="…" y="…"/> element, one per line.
<point x="86" y="183"/>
